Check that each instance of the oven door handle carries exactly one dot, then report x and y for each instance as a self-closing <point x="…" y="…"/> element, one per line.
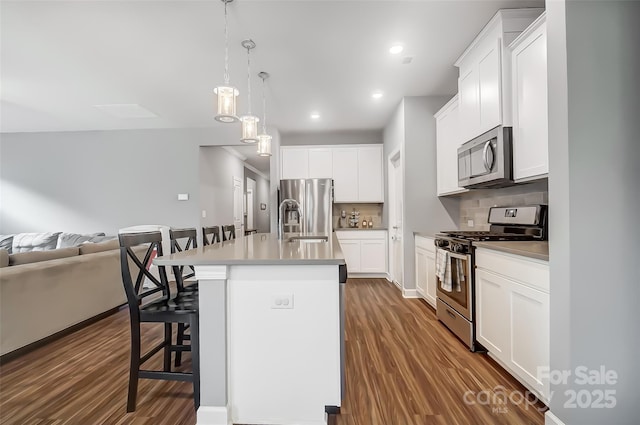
<point x="455" y="255"/>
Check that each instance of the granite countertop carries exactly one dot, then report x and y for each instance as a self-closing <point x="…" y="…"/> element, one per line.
<point x="259" y="249"/>
<point x="531" y="249"/>
<point x="340" y="229"/>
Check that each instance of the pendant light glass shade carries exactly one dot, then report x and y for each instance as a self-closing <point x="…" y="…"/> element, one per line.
<point x="249" y="121"/>
<point x="264" y="140"/>
<point x="249" y="128"/>
<point x="264" y="145"/>
<point x="227" y="101"/>
<point x="227" y="95"/>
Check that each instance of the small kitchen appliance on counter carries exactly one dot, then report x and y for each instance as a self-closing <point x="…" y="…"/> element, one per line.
<point x="455" y="263"/>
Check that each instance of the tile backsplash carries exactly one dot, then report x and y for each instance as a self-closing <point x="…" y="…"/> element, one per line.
<point x="475" y="204"/>
<point x="373" y="211"/>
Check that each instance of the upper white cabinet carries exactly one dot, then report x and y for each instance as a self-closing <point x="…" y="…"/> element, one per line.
<point x="356" y="170"/>
<point x="530" y="111"/>
<point x="345" y="174"/>
<point x="484" y="83"/>
<point x="448" y="141"/>
<point x="320" y="163"/>
<point x="294" y="163"/>
<point x="512" y="302"/>
<point x="370" y="179"/>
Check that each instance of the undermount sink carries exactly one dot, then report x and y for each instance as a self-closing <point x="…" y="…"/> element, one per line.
<point x="309" y="239"/>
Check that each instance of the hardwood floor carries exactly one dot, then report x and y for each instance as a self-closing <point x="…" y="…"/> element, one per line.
<point x="403" y="368"/>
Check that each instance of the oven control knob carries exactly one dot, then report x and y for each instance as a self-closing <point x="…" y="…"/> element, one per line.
<point x="441" y="243"/>
<point x="459" y="248"/>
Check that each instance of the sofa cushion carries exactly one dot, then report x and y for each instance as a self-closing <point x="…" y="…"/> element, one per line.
<point x="90" y="248"/>
<point x="6" y="241"/>
<point x="75" y="239"/>
<point x="24" y="242"/>
<point x="36" y="256"/>
<point x="4" y="258"/>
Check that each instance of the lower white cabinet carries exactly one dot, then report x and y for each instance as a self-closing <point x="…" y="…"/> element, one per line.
<point x="365" y="251"/>
<point x="426" y="269"/>
<point x="512" y="302"/>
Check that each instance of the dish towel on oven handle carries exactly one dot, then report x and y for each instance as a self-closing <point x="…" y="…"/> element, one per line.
<point x="460" y="274"/>
<point x="443" y="270"/>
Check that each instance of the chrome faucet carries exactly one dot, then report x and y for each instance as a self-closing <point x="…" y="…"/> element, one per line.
<point x="281" y="215"/>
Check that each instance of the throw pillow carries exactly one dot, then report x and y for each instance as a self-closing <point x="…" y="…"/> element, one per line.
<point x="75" y="239"/>
<point x="5" y="242"/>
<point x="24" y="242"/>
<point x="37" y="256"/>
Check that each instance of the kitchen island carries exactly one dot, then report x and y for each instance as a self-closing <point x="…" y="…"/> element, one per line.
<point x="271" y="328"/>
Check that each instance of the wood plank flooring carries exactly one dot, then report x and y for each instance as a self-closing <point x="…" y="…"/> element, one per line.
<point x="403" y="368"/>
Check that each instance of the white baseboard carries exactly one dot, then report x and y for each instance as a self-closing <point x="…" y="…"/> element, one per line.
<point x="551" y="419"/>
<point x="366" y="275"/>
<point x="209" y="415"/>
<point x="410" y="293"/>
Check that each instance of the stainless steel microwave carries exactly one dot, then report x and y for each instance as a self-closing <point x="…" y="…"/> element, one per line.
<point x="486" y="160"/>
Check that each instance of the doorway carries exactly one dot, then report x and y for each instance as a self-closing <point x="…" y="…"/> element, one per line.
<point x="396" y="214"/>
<point x="251" y="206"/>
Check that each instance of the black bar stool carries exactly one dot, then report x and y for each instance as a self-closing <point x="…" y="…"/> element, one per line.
<point x="210" y="235"/>
<point x="228" y="232"/>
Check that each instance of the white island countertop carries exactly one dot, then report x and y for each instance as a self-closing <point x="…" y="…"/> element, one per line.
<point x="259" y="249"/>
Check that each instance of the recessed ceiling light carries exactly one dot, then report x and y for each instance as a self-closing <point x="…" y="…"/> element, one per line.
<point x="315" y="115"/>
<point x="377" y="95"/>
<point x="394" y="50"/>
<point x="126" y="110"/>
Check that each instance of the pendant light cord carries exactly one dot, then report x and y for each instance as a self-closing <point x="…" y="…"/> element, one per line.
<point x="249" y="80"/>
<point x="226" y="47"/>
<point x="264" y="109"/>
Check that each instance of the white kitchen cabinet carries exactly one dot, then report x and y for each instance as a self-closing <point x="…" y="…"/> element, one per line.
<point x="365" y="251"/>
<point x="371" y="254"/>
<point x="492" y="327"/>
<point x="370" y="178"/>
<point x="448" y="141"/>
<point x="351" y="252"/>
<point x="530" y="111"/>
<point x="484" y="83"/>
<point x="294" y="163"/>
<point x="512" y="312"/>
<point x="345" y="174"/>
<point x="425" y="257"/>
<point x="357" y="170"/>
<point x="320" y="163"/>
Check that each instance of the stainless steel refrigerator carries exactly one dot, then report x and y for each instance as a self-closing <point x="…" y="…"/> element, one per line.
<point x="315" y="197"/>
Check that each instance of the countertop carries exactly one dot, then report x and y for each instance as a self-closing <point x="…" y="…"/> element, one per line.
<point x="340" y="229"/>
<point x="424" y="234"/>
<point x="538" y="249"/>
<point x="259" y="249"/>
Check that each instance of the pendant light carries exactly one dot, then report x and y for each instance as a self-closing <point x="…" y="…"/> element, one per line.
<point x="264" y="140"/>
<point x="249" y="122"/>
<point x="227" y="94"/>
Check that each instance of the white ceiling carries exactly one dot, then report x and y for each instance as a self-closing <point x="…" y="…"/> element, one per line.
<point x="59" y="59"/>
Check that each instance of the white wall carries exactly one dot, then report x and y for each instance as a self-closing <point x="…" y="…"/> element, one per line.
<point x="593" y="185"/>
<point x="412" y="128"/>
<point x="217" y="169"/>
<point x="355" y="137"/>
<point x="424" y="211"/>
<point x="92" y="181"/>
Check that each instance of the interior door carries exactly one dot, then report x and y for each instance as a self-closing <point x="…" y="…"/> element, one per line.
<point x="395" y="218"/>
<point x="238" y="206"/>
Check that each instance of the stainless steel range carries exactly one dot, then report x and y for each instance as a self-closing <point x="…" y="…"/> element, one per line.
<point x="455" y="263"/>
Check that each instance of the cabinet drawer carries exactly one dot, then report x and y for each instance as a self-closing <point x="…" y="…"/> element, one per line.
<point x="530" y="272"/>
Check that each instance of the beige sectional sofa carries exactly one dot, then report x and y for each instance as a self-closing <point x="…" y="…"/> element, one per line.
<point x="45" y="292"/>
